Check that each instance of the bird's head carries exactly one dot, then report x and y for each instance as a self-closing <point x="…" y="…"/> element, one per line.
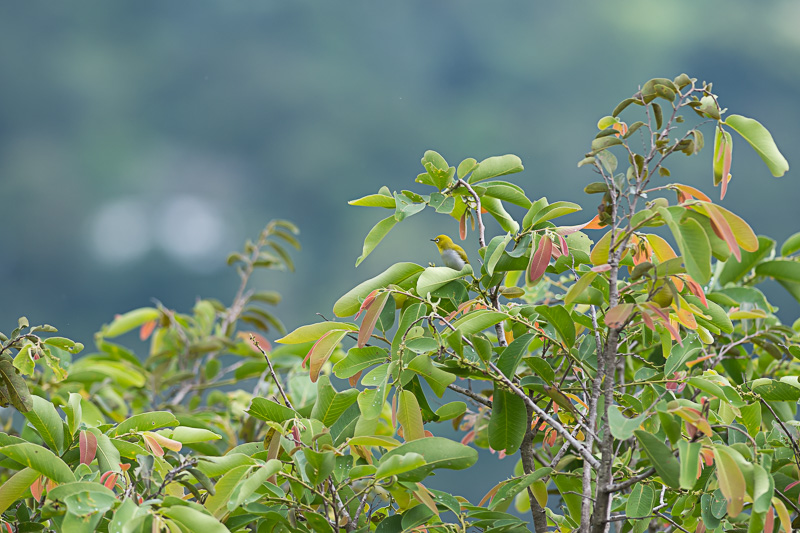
<point x="443" y="242"/>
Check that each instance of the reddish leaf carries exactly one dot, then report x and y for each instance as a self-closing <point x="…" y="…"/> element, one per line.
<point x="87" y="442"/>
<point x="462" y="226"/>
<point x="367" y="302"/>
<point x="147" y="329"/>
<point x="567" y="230"/>
<point x="601" y="268"/>
<point x="616" y="316"/>
<point x="469" y="437"/>
<point x="648" y="321"/>
<point x="723" y="230"/>
<point x="153" y="445"/>
<point x="37" y="488"/>
<point x="769" y="521"/>
<point x="371" y="318"/>
<point x="109" y="479"/>
<point x="540" y="259"/>
<point x="564" y="247"/>
<point x="260" y="339"/>
<point x="689" y="192"/>
<point x="354" y="379"/>
<point x="695" y="289"/>
<point x="319" y="354"/>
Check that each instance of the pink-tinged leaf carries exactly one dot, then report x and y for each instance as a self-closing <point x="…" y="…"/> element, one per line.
<point x="37" y="488"/>
<point x="744" y="234"/>
<point x="87" y="442"/>
<point x="564" y="247"/>
<point x="491" y="493"/>
<point x="367" y="302"/>
<point x="354" y="379"/>
<point x="161" y="442"/>
<point x="152" y="445"/>
<point x="425" y="498"/>
<point x="695" y="289"/>
<point x="601" y="268"/>
<point x="319" y="354"/>
<point x="618" y="315"/>
<point x="147" y="329"/>
<point x="769" y="521"/>
<point x="371" y="318"/>
<point x="791" y="485"/>
<point x="689" y="192"/>
<point x="462" y="226"/>
<point x="648" y="321"/>
<point x="109" y="479"/>
<point x="540" y="259"/>
<point x="468" y="438"/>
<point x="723" y="229"/>
<point x="731" y="480"/>
<point x="724" y="188"/>
<point x="262" y="341"/>
<point x="723" y="153"/>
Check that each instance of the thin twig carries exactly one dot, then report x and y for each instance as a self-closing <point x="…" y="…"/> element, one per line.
<point x="272" y="371"/>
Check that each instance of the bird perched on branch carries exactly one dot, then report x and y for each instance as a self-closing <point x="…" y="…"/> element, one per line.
<point x="453" y="255"/>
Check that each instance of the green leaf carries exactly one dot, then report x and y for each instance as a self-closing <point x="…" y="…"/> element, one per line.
<point x="690" y="460"/>
<point x="730" y="477"/>
<point x="508" y="192"/>
<point x="451" y="410"/>
<point x="146" y="422"/>
<point x="128" y="321"/>
<point x="579" y="287"/>
<point x="40" y="459"/>
<point x="661" y="458"/>
<point x="74" y="412"/>
<point x="494" y="251"/>
<point x="496" y="209"/>
<point x="374" y="200"/>
<point x="437" y="378"/>
<point x="108" y="456"/>
<point x="194" y="520"/>
<point x="513" y="487"/>
<point x="491" y="167"/>
<point x="433" y="278"/>
<point x="359" y="359"/>
<point x="23" y="360"/>
<point x="780" y="269"/>
<point x="331" y="404"/>
<point x="790" y="245"/>
<point x="735" y="270"/>
<point x="15" y="387"/>
<point x="375" y="236"/>
<point x="44" y="418"/>
<point x="696" y="250"/>
<point x="508" y="422"/>
<point x="409" y="416"/>
<point x="561" y="320"/>
<point x="622" y="427"/>
<point x="188" y="435"/>
<point x="410" y="316"/>
<point x="761" y="140"/>
<point x="512" y="354"/>
<point x="554" y="210"/>
<point x="246" y="487"/>
<point x="640" y="501"/>
<point x="312" y="332"/>
<point x="763" y="489"/>
<point x="438" y="453"/>
<point x="477" y="321"/>
<point x="270" y="411"/>
<point x="396" y="274"/>
<point x="775" y="391"/>
<point x="16" y="486"/>
<point x="466" y="166"/>
<point x="399" y="464"/>
<point x="751" y="417"/>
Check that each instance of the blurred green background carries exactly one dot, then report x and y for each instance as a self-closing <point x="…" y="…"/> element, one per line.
<point x="142" y="141"/>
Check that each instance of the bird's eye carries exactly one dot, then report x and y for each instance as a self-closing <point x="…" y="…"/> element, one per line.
<point x="435" y="240"/>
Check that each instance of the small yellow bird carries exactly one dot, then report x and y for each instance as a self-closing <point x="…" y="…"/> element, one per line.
<point x="453" y="255"/>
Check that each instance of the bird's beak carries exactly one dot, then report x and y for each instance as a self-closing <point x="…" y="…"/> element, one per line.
<point x="433" y="240"/>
